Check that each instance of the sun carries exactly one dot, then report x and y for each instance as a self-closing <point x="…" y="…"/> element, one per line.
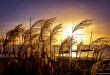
<point x="67" y="31"/>
<point x="77" y="35"/>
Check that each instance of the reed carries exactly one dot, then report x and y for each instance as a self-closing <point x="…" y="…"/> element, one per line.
<point x="35" y="55"/>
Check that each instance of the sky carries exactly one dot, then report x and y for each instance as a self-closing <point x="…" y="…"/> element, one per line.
<point x="67" y="12"/>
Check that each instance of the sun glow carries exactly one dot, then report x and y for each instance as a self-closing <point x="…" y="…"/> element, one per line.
<point x="74" y="54"/>
<point x="77" y="35"/>
<point x="74" y="47"/>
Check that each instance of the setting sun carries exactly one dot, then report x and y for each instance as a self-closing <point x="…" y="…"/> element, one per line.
<point x="77" y="35"/>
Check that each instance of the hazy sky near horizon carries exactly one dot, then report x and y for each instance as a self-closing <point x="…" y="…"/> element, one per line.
<point x="14" y="12"/>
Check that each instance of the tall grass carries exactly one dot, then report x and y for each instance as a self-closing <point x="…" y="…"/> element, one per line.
<point x="35" y="55"/>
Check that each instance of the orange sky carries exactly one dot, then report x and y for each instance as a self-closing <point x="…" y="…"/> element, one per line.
<point x="66" y="12"/>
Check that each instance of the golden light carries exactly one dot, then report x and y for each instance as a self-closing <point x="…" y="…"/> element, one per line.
<point x="77" y="35"/>
<point x="67" y="31"/>
<point x="81" y="35"/>
<point x="74" y="47"/>
<point x="74" y="54"/>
